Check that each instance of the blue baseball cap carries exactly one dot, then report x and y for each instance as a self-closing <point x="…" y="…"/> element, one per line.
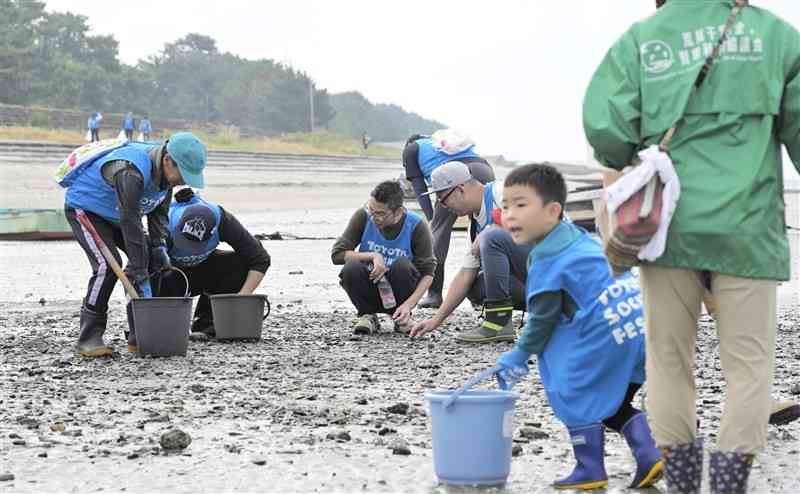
<point x="196" y="226"/>
<point x="190" y="155"/>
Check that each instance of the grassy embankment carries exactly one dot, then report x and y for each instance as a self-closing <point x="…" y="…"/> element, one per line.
<point x="299" y="143"/>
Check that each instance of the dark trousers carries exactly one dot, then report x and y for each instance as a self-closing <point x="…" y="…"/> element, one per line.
<point x="95" y="134"/>
<point x="354" y="278"/>
<point x="222" y="272"/>
<point x="626" y="410"/>
<point x="103" y="279"/>
<point x="443" y="221"/>
<point x="129" y="134"/>
<point x="504" y="271"/>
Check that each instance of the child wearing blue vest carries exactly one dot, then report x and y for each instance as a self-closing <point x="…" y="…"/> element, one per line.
<point x="115" y="190"/>
<point x="585" y="327"/>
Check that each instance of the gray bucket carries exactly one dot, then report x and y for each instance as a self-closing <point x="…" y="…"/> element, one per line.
<point x="162" y="325"/>
<point x="239" y="317"/>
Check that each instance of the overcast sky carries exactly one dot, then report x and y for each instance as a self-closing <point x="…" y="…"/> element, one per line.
<point x="510" y="73"/>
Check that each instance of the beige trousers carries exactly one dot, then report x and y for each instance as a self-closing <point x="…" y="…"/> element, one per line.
<point x="746" y="319"/>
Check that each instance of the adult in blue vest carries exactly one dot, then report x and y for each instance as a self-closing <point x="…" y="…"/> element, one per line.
<point x="196" y="229"/>
<point x="128" y="125"/>
<point x="421" y="156"/>
<point x="145" y="128"/>
<point x="116" y="191"/>
<point x="493" y="273"/>
<point x="94" y="125"/>
<point x="384" y="243"/>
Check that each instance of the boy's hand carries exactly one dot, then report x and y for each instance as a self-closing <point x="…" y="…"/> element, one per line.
<point x="423" y="327"/>
<point x="513" y="368"/>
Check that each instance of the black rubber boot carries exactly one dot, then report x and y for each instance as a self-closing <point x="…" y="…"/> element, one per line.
<point x="433" y="300"/>
<point x="496" y="326"/>
<point x="90" y="339"/>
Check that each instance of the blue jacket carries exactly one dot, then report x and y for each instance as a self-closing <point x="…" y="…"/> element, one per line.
<point x="90" y="191"/>
<point x="431" y="158"/>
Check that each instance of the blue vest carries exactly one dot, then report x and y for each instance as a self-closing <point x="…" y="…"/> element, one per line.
<point x="128" y="124"/>
<point x="591" y="358"/>
<point x="91" y="192"/>
<point x="373" y="241"/>
<point x="431" y="158"/>
<point x="488" y="203"/>
<point x="184" y="259"/>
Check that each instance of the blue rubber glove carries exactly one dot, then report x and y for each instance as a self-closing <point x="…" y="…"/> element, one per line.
<point x="145" y="289"/>
<point x="513" y="367"/>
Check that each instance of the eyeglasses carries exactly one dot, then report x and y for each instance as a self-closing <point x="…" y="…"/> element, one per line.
<point x="443" y="198"/>
<point x="378" y="215"/>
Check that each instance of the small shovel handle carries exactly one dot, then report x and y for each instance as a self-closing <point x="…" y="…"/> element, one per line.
<point x="83" y="219"/>
<point x="481" y="376"/>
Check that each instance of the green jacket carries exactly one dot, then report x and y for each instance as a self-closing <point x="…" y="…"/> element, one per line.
<point x="730" y="216"/>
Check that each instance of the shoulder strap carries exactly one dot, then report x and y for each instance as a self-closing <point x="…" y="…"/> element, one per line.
<point x="706" y="68"/>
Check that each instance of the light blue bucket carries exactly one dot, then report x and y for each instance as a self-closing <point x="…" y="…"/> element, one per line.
<point x="472" y="438"/>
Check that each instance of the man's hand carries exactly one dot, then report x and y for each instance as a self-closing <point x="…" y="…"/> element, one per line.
<point x="402" y="315"/>
<point x="513" y="367"/>
<point x="378" y="268"/>
<point x="159" y="259"/>
<point x="423" y="327"/>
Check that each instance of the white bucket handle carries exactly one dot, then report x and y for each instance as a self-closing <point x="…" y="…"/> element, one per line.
<point x="481" y="376"/>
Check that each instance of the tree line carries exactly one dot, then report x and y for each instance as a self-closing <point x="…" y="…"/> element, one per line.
<point x="50" y="59"/>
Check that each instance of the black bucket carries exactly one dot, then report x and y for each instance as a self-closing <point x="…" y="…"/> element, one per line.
<point x="239" y="317"/>
<point x="163" y="323"/>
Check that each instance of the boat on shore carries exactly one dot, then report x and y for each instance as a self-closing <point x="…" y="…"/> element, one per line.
<point x="34" y="224"/>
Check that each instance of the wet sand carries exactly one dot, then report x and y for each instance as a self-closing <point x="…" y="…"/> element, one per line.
<point x="271" y="416"/>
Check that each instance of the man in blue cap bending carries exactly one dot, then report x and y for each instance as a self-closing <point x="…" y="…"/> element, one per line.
<point x="115" y="191"/>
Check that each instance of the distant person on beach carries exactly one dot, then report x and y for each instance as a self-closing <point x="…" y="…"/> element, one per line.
<point x="728" y="233"/>
<point x="115" y="191"/>
<point x="145" y="128"/>
<point x="94" y="125"/>
<point x="493" y="272"/>
<point x="196" y="229"/>
<point x="365" y="140"/>
<point x="128" y="125"/>
<point x="384" y="242"/>
<point x="421" y="156"/>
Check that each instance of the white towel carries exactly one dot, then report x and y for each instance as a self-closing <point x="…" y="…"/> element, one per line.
<point x="653" y="161"/>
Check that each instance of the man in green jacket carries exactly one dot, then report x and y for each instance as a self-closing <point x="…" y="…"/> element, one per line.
<point x="728" y="230"/>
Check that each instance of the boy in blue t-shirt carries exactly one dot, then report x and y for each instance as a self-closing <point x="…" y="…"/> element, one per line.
<point x="585" y="326"/>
